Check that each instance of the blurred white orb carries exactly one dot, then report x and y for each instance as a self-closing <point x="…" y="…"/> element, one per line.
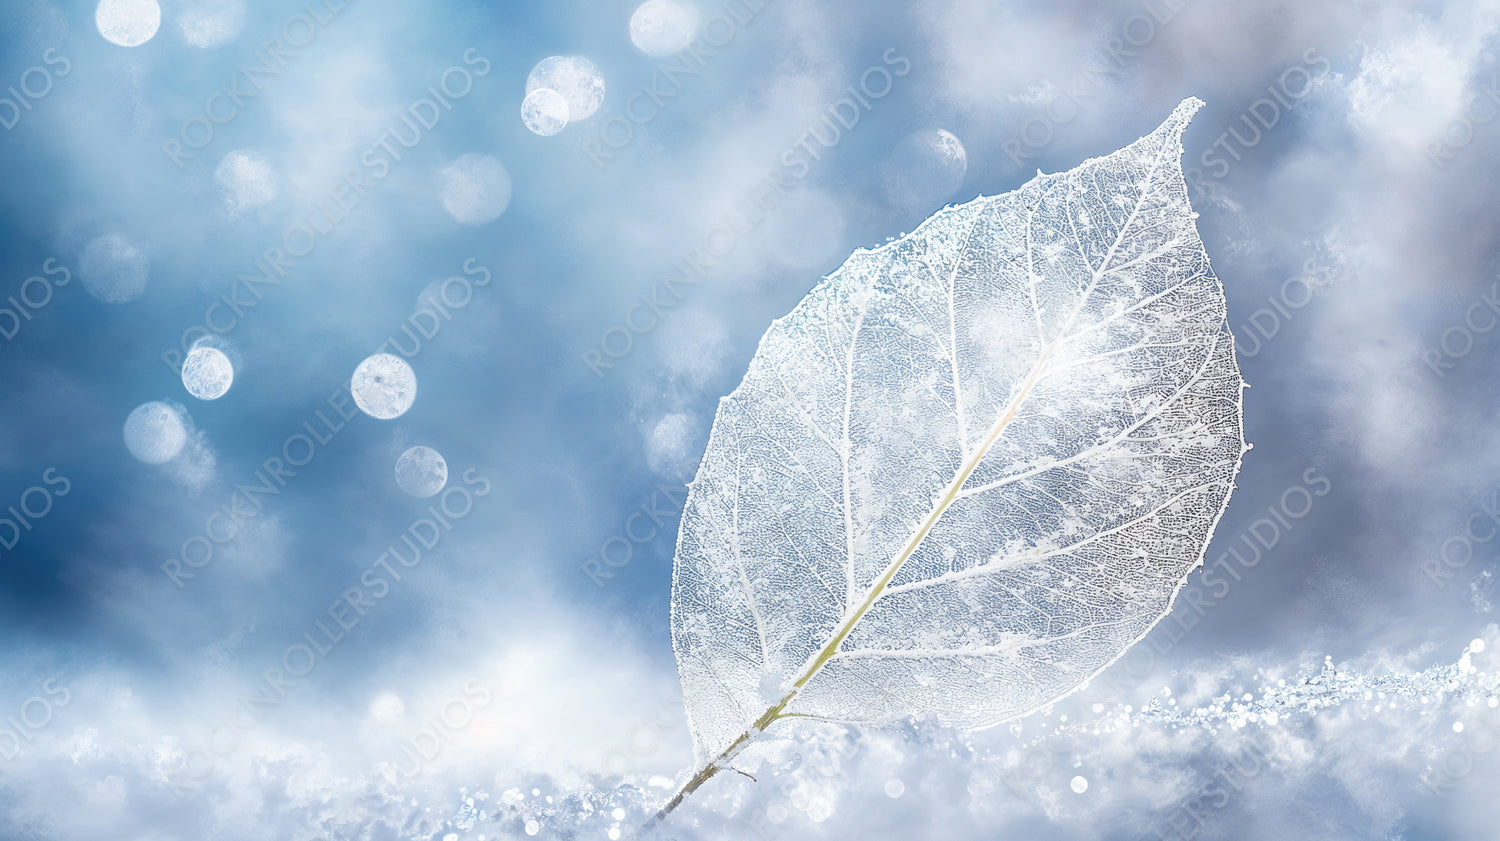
<point x="155" y="432"/>
<point x="663" y="27"/>
<point x="387" y="707"/>
<point x="113" y="271"/>
<point x="949" y="149"/>
<point x="247" y="180"/>
<point x="129" y="23"/>
<point x="1476" y="646"/>
<point x="384" y="386"/>
<point x="210" y="23"/>
<point x="421" y="471"/>
<point x="574" y="78"/>
<point x="1079" y="785"/>
<point x="207" y="373"/>
<point x="672" y="448"/>
<point x="544" y="111"/>
<point x="894" y="787"/>
<point x="925" y="169"/>
<point x="475" y="189"/>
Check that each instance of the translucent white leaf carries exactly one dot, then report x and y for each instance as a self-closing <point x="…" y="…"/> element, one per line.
<point x="971" y="468"/>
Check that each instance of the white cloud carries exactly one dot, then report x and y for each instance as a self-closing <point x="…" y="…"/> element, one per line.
<point x="1416" y="74"/>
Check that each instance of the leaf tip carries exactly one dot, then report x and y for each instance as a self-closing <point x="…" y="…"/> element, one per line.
<point x="1177" y="123"/>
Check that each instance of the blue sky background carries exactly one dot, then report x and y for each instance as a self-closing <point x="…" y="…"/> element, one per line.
<point x="1400" y="243"/>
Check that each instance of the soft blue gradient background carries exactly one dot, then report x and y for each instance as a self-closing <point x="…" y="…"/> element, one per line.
<point x="1404" y="247"/>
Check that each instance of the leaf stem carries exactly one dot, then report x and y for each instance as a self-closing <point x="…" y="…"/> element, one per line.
<point x="720" y="762"/>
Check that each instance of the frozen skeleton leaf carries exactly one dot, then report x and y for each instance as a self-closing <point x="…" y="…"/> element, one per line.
<point x="970" y="469"/>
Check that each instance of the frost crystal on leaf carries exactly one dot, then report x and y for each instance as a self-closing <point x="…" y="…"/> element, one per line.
<point x="971" y="468"/>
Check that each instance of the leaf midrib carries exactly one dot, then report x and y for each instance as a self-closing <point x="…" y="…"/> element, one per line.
<point x="950" y="495"/>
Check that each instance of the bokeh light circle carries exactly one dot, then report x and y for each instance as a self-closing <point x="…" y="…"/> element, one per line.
<point x="384" y="386"/>
<point x="207" y="373"/>
<point x="574" y="78"/>
<point x="113" y="270"/>
<point x="475" y="189"/>
<point x="155" y="432"/>
<point x="129" y="23"/>
<point x="663" y="27"/>
<point x="421" y="471"/>
<point x="544" y="112"/>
